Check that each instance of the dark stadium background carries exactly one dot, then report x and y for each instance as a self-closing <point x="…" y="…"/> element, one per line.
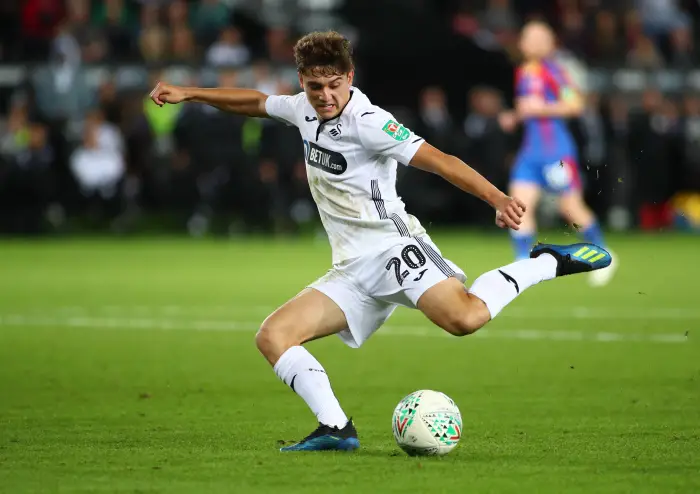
<point x="213" y="173"/>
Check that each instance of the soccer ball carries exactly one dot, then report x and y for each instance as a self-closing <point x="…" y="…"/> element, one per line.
<point x="427" y="423"/>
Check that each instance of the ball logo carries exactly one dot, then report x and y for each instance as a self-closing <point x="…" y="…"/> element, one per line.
<point x="401" y="425"/>
<point x="456" y="434"/>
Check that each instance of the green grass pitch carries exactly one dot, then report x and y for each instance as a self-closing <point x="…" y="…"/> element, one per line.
<point x="129" y="366"/>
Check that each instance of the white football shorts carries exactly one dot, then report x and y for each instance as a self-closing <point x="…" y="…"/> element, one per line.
<point x="369" y="289"/>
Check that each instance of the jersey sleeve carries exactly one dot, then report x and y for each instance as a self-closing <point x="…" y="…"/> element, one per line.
<point x="565" y="87"/>
<point x="382" y="134"/>
<point x="283" y="108"/>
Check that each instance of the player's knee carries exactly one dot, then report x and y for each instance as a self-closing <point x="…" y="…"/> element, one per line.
<point x="470" y="318"/>
<point x="263" y="339"/>
<point x="470" y="323"/>
<point x="272" y="338"/>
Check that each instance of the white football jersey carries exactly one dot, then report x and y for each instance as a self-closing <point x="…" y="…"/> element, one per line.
<point x="351" y="167"/>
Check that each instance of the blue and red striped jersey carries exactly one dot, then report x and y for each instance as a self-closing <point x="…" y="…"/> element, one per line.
<point x="544" y="136"/>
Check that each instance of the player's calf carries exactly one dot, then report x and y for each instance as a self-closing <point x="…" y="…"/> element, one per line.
<point x="308" y="316"/>
<point x="461" y="313"/>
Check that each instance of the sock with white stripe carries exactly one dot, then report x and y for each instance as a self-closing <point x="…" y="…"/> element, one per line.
<point x="305" y="375"/>
<point x="499" y="287"/>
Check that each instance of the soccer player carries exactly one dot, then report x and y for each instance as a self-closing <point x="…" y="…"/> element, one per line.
<point x="545" y="98"/>
<point x="382" y="256"/>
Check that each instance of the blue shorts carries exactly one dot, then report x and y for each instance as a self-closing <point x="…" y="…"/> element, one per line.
<point x="558" y="176"/>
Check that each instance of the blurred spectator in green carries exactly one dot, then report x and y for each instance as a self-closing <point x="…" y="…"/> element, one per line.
<point x="118" y="21"/>
<point x="208" y="19"/>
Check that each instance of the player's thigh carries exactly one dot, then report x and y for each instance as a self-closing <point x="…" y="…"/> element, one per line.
<point x="308" y="316"/>
<point x="450" y="306"/>
<point x="417" y="275"/>
<point x="404" y="272"/>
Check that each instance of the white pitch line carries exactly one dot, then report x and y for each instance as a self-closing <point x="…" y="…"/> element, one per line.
<point x="143" y="323"/>
<point x="215" y="311"/>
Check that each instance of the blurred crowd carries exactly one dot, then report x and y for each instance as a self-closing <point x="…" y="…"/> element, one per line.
<point x="102" y="153"/>
<point x="110" y="156"/>
<point x="147" y="31"/>
<point x="98" y="154"/>
<point x="644" y="34"/>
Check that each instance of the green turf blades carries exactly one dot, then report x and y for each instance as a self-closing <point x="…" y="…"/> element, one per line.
<point x="130" y="366"/>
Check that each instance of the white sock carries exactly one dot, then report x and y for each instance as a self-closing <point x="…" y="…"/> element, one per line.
<point x="305" y="375"/>
<point x="499" y="287"/>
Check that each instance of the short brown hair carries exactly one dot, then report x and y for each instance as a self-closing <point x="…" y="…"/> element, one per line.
<point x="323" y="54"/>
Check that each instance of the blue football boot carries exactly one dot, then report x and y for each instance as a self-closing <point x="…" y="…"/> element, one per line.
<point x="575" y="258"/>
<point x="326" y="438"/>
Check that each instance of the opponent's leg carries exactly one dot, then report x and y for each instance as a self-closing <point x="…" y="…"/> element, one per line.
<point x="575" y="210"/>
<point x="308" y="316"/>
<point x="461" y="312"/>
<point x="524" y="239"/>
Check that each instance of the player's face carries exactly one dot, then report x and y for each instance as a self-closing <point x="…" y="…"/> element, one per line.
<point x="327" y="94"/>
<point x="536" y="42"/>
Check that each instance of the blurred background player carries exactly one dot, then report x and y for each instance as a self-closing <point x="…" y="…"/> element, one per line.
<point x="548" y="158"/>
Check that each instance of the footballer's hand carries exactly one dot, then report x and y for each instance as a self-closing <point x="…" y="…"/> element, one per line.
<point x="508" y="120"/>
<point x="166" y="93"/>
<point x="531" y="105"/>
<point x="509" y="213"/>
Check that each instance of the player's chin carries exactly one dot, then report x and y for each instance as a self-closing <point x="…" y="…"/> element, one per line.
<point x="327" y="111"/>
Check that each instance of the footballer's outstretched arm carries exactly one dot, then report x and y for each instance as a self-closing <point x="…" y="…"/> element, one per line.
<point x="235" y="100"/>
<point x="534" y="106"/>
<point x="509" y="211"/>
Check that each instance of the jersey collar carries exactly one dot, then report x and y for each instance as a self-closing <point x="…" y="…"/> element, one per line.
<point x="321" y="123"/>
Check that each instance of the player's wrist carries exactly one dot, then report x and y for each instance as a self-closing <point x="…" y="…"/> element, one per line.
<point x="189" y="93"/>
<point x="496" y="198"/>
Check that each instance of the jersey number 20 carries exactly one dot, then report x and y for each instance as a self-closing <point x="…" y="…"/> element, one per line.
<point x="413" y="258"/>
